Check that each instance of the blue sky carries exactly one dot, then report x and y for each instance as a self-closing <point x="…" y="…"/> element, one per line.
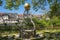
<point x="21" y="9"/>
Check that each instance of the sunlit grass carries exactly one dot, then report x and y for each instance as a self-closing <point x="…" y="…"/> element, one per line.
<point x="4" y="33"/>
<point x="49" y="30"/>
<point x="37" y="32"/>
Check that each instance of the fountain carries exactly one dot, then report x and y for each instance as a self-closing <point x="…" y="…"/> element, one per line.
<point x="28" y="29"/>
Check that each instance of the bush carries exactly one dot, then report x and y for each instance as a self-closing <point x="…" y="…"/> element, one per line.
<point x="56" y="21"/>
<point x="41" y="23"/>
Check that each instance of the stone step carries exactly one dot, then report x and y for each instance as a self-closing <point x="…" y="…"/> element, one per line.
<point x="26" y="39"/>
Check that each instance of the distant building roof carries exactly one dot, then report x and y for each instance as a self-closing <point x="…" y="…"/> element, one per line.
<point x="20" y="15"/>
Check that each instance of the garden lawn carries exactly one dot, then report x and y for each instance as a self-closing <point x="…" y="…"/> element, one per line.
<point x="49" y="30"/>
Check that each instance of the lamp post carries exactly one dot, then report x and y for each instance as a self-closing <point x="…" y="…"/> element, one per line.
<point x="27" y="7"/>
<point x="27" y="14"/>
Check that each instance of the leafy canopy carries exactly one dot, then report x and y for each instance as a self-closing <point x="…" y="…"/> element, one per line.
<point x="35" y="3"/>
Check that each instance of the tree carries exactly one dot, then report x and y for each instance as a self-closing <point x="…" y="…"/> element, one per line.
<point x="37" y="4"/>
<point x="0" y="2"/>
<point x="55" y="9"/>
<point x="10" y="4"/>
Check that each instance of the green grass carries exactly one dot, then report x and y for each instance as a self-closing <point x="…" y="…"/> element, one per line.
<point x="37" y="31"/>
<point x="4" y="33"/>
<point x="49" y="30"/>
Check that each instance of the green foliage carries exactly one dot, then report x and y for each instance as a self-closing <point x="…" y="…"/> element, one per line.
<point x="0" y="2"/>
<point x="54" y="10"/>
<point x="45" y="22"/>
<point x="42" y="23"/>
<point x="28" y="22"/>
<point x="37" y="4"/>
<point x="56" y="21"/>
<point x="10" y="4"/>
